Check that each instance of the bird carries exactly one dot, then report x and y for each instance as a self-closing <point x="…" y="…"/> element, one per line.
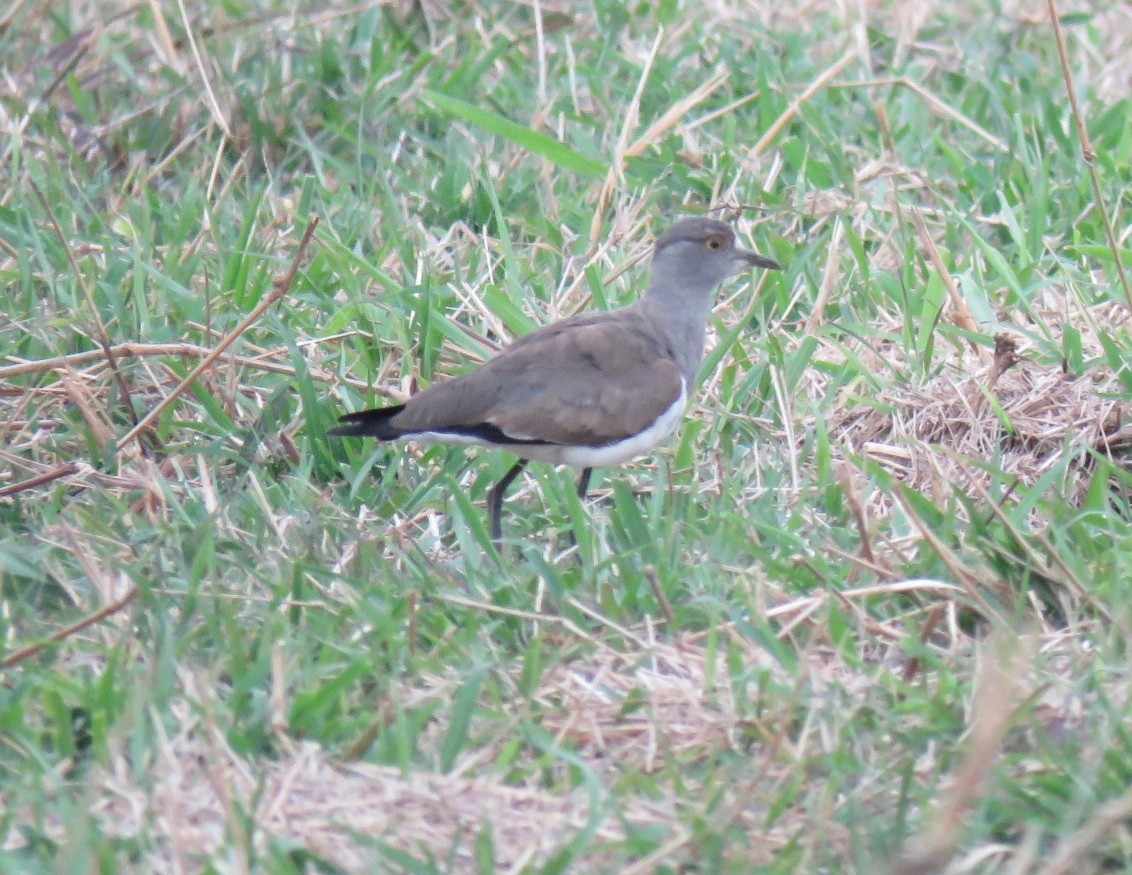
<point x="594" y="390"/>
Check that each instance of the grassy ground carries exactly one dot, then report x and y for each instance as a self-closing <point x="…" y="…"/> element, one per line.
<point x="867" y="612"/>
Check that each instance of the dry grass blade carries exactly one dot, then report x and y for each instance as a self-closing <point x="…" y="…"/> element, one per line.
<point x="943" y="109"/>
<point x="935" y="614"/>
<point x="963" y="317"/>
<point x="1067" y="857"/>
<point x="1088" y="153"/>
<point x="534" y="616"/>
<point x="673" y="114"/>
<point x="795" y="105"/>
<point x="130" y="349"/>
<point x="165" y="38"/>
<point x="658" y="592"/>
<point x="90" y="408"/>
<point x="857" y="511"/>
<point x="829" y="277"/>
<point x="653" y="134"/>
<point x="101" y="335"/>
<point x="616" y="171"/>
<point x="999" y="683"/>
<point x="218" y="115"/>
<point x="953" y="562"/>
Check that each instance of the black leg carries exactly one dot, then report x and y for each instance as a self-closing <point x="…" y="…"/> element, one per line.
<point x="584" y="482"/>
<point x="495" y="500"/>
<point x="583" y="487"/>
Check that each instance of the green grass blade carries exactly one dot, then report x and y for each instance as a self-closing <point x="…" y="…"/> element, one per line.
<point x="527" y="138"/>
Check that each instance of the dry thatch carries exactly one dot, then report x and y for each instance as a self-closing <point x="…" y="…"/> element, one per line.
<point x="1014" y="419"/>
<point x="206" y="800"/>
<point x="201" y="803"/>
<point x="648" y="707"/>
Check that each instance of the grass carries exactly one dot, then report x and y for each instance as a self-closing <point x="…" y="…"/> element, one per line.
<point x="866" y="612"/>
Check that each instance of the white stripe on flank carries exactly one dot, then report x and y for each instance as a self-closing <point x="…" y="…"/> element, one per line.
<point x="580" y="456"/>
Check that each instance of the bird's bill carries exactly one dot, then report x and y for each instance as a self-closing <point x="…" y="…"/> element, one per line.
<point x="753" y="259"/>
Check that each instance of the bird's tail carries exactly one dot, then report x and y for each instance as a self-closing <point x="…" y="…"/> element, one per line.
<point x="370" y="423"/>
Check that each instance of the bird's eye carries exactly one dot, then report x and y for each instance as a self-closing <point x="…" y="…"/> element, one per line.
<point x="714" y="243"/>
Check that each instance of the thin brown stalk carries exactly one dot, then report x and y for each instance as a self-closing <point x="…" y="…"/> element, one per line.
<point x="164" y="39"/>
<point x="828" y="279"/>
<point x="962" y="318"/>
<point x="280" y="289"/>
<point x="1087" y="152"/>
<point x="615" y="171"/>
<point x="131" y="349"/>
<point x="967" y="579"/>
<point x="935" y="104"/>
<point x="857" y="511"/>
<point x="658" y="591"/>
<point x="935" y="614"/>
<point x="40" y="479"/>
<point x="98" y="616"/>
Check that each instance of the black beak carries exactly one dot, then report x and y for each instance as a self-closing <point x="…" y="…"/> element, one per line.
<point x="756" y="260"/>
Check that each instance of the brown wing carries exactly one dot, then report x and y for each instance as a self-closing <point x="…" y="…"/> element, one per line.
<point x="588" y="381"/>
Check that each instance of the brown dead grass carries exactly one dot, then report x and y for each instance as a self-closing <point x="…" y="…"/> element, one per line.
<point x="645" y="708"/>
<point x="959" y="433"/>
<point x="198" y="798"/>
<point x="194" y="803"/>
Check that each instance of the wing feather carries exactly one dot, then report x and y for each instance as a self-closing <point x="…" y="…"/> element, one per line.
<point x="586" y="381"/>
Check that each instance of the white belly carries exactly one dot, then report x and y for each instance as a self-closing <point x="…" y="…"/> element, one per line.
<point x="631" y="447"/>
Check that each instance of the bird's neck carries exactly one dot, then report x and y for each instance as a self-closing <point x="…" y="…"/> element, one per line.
<point x="681" y="319"/>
